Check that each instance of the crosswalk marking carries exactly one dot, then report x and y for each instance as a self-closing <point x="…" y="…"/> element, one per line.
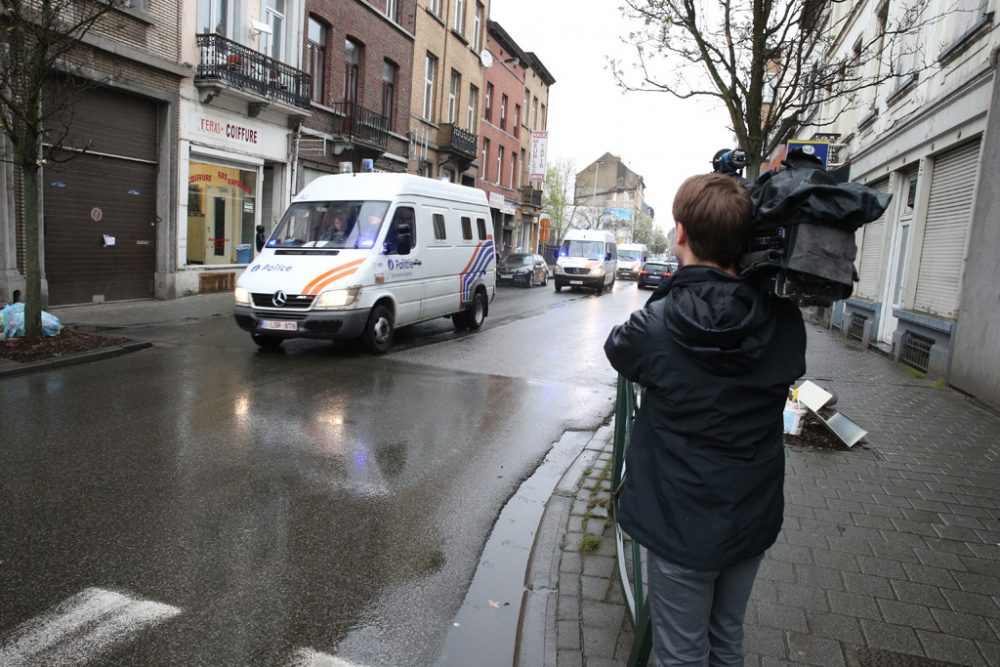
<point x="80" y="629"/>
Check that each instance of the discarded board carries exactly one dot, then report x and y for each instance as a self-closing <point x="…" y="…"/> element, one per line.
<point x="815" y="398"/>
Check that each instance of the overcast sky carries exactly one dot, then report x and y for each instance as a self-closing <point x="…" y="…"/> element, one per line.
<point x="663" y="139"/>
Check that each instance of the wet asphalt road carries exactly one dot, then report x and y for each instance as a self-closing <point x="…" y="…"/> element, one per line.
<point x="205" y="503"/>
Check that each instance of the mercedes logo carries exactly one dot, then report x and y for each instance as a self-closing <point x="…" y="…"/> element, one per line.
<point x="279" y="298"/>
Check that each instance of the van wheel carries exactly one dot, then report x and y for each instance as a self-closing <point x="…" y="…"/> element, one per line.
<point x="558" y="287"/>
<point x="600" y="289"/>
<point x="378" y="332"/>
<point x="475" y="313"/>
<point x="545" y="279"/>
<point x="267" y="342"/>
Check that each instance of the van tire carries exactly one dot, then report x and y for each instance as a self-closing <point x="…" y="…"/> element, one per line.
<point x="600" y="288"/>
<point x="558" y="287"/>
<point x="267" y="342"/>
<point x="377" y="337"/>
<point x="475" y="313"/>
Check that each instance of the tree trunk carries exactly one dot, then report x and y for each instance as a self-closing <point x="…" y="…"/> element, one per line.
<point x="32" y="256"/>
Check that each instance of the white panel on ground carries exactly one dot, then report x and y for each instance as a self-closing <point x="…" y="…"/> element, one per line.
<point x="81" y="629"/>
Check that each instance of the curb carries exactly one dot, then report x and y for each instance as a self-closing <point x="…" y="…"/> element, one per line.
<point x="72" y="359"/>
<point x="541" y="578"/>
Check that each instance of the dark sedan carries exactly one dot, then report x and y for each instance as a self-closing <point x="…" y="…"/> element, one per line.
<point x="523" y="269"/>
<point x="652" y="274"/>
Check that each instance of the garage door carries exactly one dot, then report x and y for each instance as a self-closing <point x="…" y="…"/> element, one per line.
<point x="100" y="208"/>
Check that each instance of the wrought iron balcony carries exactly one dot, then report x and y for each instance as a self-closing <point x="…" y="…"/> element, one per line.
<point x="361" y="125"/>
<point x="241" y="67"/>
<point x="454" y="139"/>
<point x="531" y="196"/>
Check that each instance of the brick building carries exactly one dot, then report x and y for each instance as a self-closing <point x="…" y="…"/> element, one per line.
<point x="534" y="119"/>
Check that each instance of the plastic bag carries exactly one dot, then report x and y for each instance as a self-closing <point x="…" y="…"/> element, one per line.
<point x="12" y="321"/>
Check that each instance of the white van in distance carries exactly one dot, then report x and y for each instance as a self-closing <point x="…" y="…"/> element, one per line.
<point x="631" y="257"/>
<point x="358" y="255"/>
<point x="587" y="258"/>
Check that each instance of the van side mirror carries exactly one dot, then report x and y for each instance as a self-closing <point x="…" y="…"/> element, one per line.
<point x="607" y="257"/>
<point x="405" y="239"/>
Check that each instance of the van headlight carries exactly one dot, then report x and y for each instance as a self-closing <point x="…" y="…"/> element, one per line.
<point x="558" y="269"/>
<point x="597" y="271"/>
<point x="242" y="295"/>
<point x="337" y="298"/>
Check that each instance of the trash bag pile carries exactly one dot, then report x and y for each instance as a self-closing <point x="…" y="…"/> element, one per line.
<point x="804" y="222"/>
<point x="12" y="322"/>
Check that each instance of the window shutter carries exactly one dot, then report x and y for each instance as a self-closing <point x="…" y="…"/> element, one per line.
<point x="870" y="255"/>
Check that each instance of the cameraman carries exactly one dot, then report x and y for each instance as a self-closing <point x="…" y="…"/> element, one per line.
<point x="703" y="488"/>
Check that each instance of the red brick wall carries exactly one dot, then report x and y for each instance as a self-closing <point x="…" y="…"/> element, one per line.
<point x="507" y="79"/>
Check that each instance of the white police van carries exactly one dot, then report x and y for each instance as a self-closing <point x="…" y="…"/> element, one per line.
<point x="587" y="258"/>
<point x="405" y="249"/>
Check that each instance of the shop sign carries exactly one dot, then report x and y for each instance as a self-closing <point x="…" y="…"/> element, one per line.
<point x="497" y="200"/>
<point x="539" y="154"/>
<point x="237" y="133"/>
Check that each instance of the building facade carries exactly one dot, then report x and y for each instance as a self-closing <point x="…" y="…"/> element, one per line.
<point x="534" y="128"/>
<point x="447" y="89"/>
<point x="920" y="138"/>
<point x="612" y="196"/>
<point x="107" y="232"/>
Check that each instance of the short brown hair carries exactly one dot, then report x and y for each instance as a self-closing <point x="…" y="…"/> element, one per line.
<point x="715" y="211"/>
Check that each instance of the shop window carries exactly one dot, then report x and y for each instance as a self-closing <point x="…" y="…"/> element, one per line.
<point x="222" y="208"/>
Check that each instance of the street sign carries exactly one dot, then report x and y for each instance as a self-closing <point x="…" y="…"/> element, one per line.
<point x="539" y="151"/>
<point x="817" y="149"/>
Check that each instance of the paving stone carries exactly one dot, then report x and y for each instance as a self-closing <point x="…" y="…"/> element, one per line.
<point x="814" y="650"/>
<point x="575" y="524"/>
<point x="594" y="588"/>
<point x="919" y="594"/>
<point x="835" y="626"/>
<point x="764" y="591"/>
<point x="803" y="539"/>
<point x="568" y="635"/>
<point x="938" y="559"/>
<point x="853" y="604"/>
<point x="569" y="659"/>
<point x="956" y="533"/>
<point x="790" y="553"/>
<point x="569" y="584"/>
<point x="990" y="651"/>
<point x="977" y="583"/>
<point x="568" y="608"/>
<point x="773" y="570"/>
<point x="867" y="521"/>
<point x="934" y="576"/>
<point x="952" y="649"/>
<point x="764" y="641"/>
<point x="972" y="603"/>
<point x="866" y="584"/>
<point x="960" y="624"/>
<point x="881" y="567"/>
<point x="908" y="614"/>
<point x="890" y="552"/>
<point x="897" y="539"/>
<point x="851" y="545"/>
<point x="598" y="566"/>
<point x="947" y="546"/>
<point x="837" y="560"/>
<point x="802" y="596"/>
<point x="599" y="641"/>
<point x="781" y="617"/>
<point x="980" y="566"/>
<point x="891" y="637"/>
<point x="820" y="577"/>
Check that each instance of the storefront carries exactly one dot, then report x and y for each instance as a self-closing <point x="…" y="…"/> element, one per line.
<point x="237" y="178"/>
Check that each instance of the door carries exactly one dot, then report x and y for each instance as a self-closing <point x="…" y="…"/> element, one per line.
<point x="404" y="270"/>
<point x="220" y="231"/>
<point x="895" y="284"/>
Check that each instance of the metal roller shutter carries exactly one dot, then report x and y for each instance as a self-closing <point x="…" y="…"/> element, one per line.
<point x="949" y="211"/>
<point x="870" y="256"/>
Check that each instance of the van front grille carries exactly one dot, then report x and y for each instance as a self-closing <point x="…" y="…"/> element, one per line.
<point x="294" y="301"/>
<point x="577" y="271"/>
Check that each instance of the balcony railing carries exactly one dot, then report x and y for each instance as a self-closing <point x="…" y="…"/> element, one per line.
<point x="240" y="66"/>
<point x="361" y="124"/>
<point x="455" y="139"/>
<point x="530" y="195"/>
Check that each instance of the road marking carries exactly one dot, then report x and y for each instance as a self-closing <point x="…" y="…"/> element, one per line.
<point x="81" y="628"/>
<point x="306" y="657"/>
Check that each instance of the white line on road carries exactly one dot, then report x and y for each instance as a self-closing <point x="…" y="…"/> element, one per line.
<point x="81" y="629"/>
<point x="306" y="657"/>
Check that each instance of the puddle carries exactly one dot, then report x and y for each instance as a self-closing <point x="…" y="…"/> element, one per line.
<point x="486" y="624"/>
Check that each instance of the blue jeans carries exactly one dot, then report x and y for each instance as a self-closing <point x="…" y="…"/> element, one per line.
<point x="697" y="616"/>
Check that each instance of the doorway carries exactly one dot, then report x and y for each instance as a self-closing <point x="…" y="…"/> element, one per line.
<point x="895" y="284"/>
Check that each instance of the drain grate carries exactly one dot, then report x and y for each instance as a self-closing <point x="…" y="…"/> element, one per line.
<point x="856" y="329"/>
<point x="916" y="351"/>
<point x="875" y="657"/>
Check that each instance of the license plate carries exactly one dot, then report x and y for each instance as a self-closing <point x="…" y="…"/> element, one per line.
<point x="576" y="282"/>
<point x="279" y="325"/>
<point x="505" y="275"/>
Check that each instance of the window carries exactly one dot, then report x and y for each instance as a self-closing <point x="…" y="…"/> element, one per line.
<point x="488" y="110"/>
<point x="503" y="112"/>
<point x="352" y="67"/>
<point x="486" y="159"/>
<point x="466" y="228"/>
<point x="430" y="73"/>
<point x="522" y="176"/>
<point x="434" y="6"/>
<point x="456" y="81"/>
<point x="499" y="164"/>
<point x="389" y="70"/>
<point x="274" y="16"/>
<point x="477" y="27"/>
<point x="542" y="119"/>
<point x="403" y="218"/>
<point x="215" y="16"/>
<point x="447" y="175"/>
<point x="513" y="169"/>
<point x="459" y="16"/>
<point x="392" y="9"/>
<point x="221" y="211"/>
<point x="473" y="105"/>
<point x="440" y="233"/>
<point x="316" y="58"/>
<point x="534" y="114"/>
<point x="481" y="227"/>
<point x="517" y="120"/>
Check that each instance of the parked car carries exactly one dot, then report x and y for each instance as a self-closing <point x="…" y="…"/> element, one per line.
<point x="528" y="270"/>
<point x="653" y="273"/>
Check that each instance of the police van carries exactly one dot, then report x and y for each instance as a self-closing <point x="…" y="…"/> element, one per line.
<point x="357" y="256"/>
<point x="587" y="258"/>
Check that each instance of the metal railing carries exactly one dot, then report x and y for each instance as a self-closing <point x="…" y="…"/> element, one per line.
<point x="454" y="138"/>
<point x="240" y="66"/>
<point x="631" y="554"/>
<point x="361" y="124"/>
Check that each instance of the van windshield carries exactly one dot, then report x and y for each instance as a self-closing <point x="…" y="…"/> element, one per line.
<point x="587" y="249"/>
<point x="630" y="255"/>
<point x="330" y="224"/>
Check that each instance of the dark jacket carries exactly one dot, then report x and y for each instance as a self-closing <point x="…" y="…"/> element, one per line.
<point x="705" y="467"/>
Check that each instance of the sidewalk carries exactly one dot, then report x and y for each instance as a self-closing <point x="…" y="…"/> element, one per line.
<point x="127" y="314"/>
<point x="889" y="554"/>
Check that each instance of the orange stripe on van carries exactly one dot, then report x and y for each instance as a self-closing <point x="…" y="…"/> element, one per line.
<point x="309" y="288"/>
<point x="472" y="259"/>
<point x="334" y="278"/>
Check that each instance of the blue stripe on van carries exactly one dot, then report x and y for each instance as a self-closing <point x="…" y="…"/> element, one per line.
<point x="485" y="254"/>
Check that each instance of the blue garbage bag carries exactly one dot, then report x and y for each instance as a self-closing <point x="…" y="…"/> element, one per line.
<point x="12" y="322"/>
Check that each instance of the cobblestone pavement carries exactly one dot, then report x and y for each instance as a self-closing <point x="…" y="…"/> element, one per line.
<point x="890" y="552"/>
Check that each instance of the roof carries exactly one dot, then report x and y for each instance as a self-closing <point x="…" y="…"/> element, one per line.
<point x="540" y="69"/>
<point x="381" y="186"/>
<point x="506" y="41"/>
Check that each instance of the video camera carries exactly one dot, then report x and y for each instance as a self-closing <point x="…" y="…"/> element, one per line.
<point x="802" y="245"/>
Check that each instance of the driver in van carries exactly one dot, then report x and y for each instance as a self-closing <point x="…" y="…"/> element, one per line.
<point x="332" y="228"/>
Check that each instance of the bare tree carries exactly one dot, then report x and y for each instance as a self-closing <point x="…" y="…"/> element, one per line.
<point x="766" y="61"/>
<point x="38" y="38"/>
<point x="556" y="197"/>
